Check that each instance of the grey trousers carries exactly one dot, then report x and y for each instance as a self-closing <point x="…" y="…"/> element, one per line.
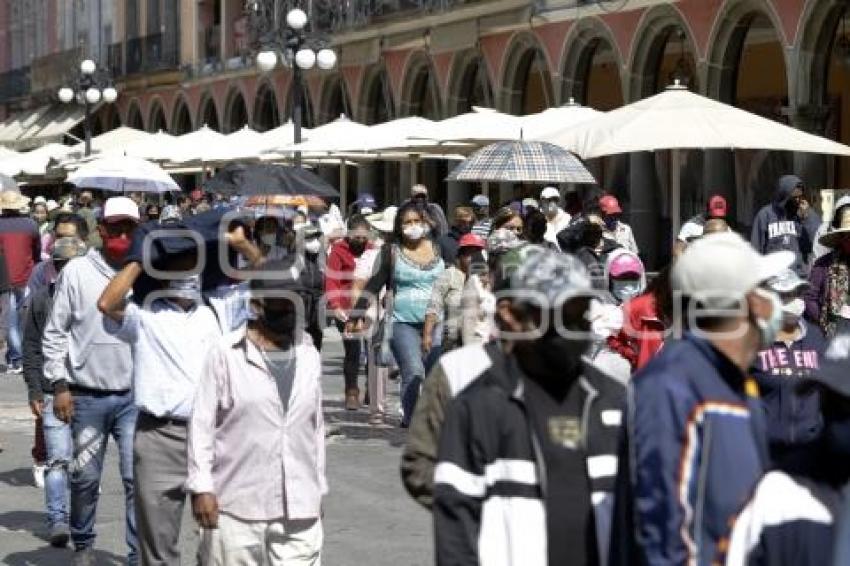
<point x="159" y="470"/>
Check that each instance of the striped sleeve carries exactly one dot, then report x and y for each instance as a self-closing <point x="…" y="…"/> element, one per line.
<point x="459" y="489"/>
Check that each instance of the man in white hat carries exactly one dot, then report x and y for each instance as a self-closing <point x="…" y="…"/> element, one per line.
<point x="21" y="245"/>
<point x="696" y="439"/>
<point x="91" y="373"/>
<point x="556" y="218"/>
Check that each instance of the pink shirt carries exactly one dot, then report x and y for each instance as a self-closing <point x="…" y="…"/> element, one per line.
<point x="257" y="440"/>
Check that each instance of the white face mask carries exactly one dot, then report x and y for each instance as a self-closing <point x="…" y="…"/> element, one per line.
<point x="312" y="246"/>
<point x="623" y="290"/>
<point x="415" y="231"/>
<point x="793" y="311"/>
<point x="188" y="288"/>
<point x="268" y="239"/>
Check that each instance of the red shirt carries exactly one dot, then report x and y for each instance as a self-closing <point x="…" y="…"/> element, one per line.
<point x="643" y="332"/>
<point x="339" y="276"/>
<point x="21" y="245"/>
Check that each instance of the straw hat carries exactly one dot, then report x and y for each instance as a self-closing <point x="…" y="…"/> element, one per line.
<point x="13" y="200"/>
<point x="383" y="221"/>
<point x="833" y="238"/>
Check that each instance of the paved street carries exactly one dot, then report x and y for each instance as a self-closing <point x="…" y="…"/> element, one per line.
<point x="369" y="519"/>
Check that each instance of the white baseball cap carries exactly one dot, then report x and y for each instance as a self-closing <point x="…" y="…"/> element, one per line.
<point x="721" y="268"/>
<point x="550" y="192"/>
<point x="120" y="208"/>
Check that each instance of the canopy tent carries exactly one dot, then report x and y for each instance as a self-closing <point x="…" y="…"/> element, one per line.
<point x="198" y="145"/>
<point x="679" y="119"/>
<point x="160" y="146"/>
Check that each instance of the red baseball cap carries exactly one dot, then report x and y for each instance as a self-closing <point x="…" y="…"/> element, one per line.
<point x="610" y="205"/>
<point x="717" y="207"/>
<point x="471" y="241"/>
<point x="197" y="194"/>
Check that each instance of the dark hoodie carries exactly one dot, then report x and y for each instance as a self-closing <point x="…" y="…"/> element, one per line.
<point x="774" y="229"/>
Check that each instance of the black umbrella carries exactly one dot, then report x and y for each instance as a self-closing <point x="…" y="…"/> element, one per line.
<point x="268" y="179"/>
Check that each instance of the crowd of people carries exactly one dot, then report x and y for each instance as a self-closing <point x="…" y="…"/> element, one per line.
<point x="563" y="404"/>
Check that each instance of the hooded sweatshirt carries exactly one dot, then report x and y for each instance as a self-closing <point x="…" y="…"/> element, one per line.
<point x="77" y="345"/>
<point x="774" y="230"/>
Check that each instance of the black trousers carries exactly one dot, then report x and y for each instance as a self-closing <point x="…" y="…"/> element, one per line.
<point x="351" y="361"/>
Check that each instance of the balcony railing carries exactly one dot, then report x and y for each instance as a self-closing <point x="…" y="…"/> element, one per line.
<point x="151" y="53"/>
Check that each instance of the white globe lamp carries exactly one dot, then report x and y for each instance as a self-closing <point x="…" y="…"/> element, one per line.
<point x="305" y="59"/>
<point x="296" y="19"/>
<point x="66" y="95"/>
<point x="92" y="96"/>
<point x="326" y="59"/>
<point x="87" y="67"/>
<point x="266" y="61"/>
<point x="110" y="95"/>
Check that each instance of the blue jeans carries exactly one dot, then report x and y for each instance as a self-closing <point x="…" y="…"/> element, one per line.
<point x="59" y="444"/>
<point x="96" y="417"/>
<point x="13" y="322"/>
<point x="406" y="344"/>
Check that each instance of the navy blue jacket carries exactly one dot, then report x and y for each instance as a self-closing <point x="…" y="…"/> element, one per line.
<point x="774" y="230"/>
<point x="693" y="451"/>
<point x="791" y="402"/>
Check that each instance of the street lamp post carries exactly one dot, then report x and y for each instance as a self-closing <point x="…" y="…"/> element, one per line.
<point x="90" y="87"/>
<point x="299" y="50"/>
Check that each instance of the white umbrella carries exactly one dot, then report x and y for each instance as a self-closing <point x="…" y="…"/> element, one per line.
<point x="198" y="145"/>
<point x="123" y="174"/>
<point x="114" y="141"/>
<point x="481" y="126"/>
<point x="333" y="136"/>
<point x="160" y="146"/>
<point x="242" y="144"/>
<point x="558" y="118"/>
<point x="281" y="136"/>
<point x="679" y="119"/>
<point x="34" y="162"/>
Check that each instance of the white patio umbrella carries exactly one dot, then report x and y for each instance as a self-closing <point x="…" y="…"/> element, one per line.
<point x="123" y="174"/>
<point x="481" y="126"/>
<point x="679" y="119"/>
<point x="199" y="145"/>
<point x="337" y="135"/>
<point x="6" y="153"/>
<point x="160" y="146"/>
<point x="557" y="118"/>
<point x="281" y="136"/>
<point x="114" y="141"/>
<point x="34" y="163"/>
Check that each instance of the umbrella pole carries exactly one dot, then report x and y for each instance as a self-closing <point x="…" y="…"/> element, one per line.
<point x="414" y="169"/>
<point x="343" y="185"/>
<point x="675" y="192"/>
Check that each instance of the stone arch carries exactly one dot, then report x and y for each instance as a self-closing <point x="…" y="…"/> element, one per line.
<point x="470" y="83"/>
<point x="266" y="113"/>
<point x="592" y="61"/>
<point x="134" y="116"/>
<point x="235" y="111"/>
<point x="156" y="118"/>
<point x="181" y="120"/>
<point x="376" y="98"/>
<point x="114" y="119"/>
<point x="747" y="66"/>
<point x="420" y="95"/>
<point x="526" y="80"/>
<point x="208" y="113"/>
<point x="334" y="100"/>
<point x="665" y="51"/>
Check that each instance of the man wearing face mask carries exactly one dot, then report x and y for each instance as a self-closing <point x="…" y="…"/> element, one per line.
<point x="557" y="219"/>
<point x="595" y="249"/>
<point x="788" y="223"/>
<point x="462" y="225"/>
<point x="696" y="436"/>
<point x="91" y="372"/>
<point x="437" y="217"/>
<point x="615" y="228"/>
<point x="169" y="334"/>
<point x="791" y="403"/>
<point x="526" y="461"/>
<point x="803" y="519"/>
<point x="311" y="277"/>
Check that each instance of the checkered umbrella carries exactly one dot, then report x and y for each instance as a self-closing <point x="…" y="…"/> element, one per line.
<point x="522" y="161"/>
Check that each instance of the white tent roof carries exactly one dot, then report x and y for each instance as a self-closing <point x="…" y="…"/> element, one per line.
<point x="680" y="119"/>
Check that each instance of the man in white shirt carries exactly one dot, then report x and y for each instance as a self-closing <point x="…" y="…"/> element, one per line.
<point x="556" y="218"/>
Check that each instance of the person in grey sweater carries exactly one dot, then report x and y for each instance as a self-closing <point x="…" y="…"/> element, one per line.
<point x="90" y="370"/>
